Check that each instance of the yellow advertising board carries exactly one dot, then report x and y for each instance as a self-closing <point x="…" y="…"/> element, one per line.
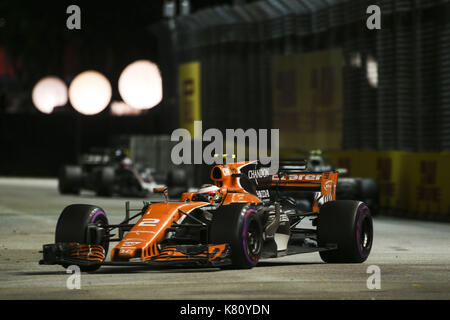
<point x="417" y="182"/>
<point x="189" y="93"/>
<point x="307" y="99"/>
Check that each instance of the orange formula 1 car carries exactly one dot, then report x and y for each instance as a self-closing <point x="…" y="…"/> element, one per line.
<point x="238" y="220"/>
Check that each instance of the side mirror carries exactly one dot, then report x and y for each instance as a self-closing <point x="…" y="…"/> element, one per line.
<point x="164" y="190"/>
<point x="342" y="171"/>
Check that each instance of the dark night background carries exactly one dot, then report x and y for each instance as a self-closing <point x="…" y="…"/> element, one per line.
<point x="259" y="63"/>
<point x="36" y="42"/>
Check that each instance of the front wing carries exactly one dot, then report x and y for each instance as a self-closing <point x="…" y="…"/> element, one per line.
<point x="178" y="255"/>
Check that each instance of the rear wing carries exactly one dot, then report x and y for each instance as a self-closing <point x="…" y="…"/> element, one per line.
<point x="324" y="182"/>
<point x="291" y="176"/>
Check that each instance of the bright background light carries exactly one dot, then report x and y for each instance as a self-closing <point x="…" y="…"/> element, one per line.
<point x="372" y="71"/>
<point x="48" y="93"/>
<point x="140" y="84"/>
<point x="120" y="108"/>
<point x="90" y="92"/>
<point x="355" y="59"/>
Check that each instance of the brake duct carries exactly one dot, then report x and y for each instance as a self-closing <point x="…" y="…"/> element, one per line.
<point x="272" y="227"/>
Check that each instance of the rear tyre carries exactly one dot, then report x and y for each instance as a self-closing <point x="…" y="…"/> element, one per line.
<point x="238" y="225"/>
<point x="73" y="224"/>
<point x="348" y="224"/>
<point x="105" y="182"/>
<point x="70" y="179"/>
<point x="369" y="193"/>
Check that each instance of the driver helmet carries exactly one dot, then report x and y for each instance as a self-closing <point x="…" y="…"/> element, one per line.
<point x="127" y="163"/>
<point x="209" y="193"/>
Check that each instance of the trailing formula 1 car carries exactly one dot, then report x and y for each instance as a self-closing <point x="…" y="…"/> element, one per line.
<point x="348" y="188"/>
<point x="107" y="172"/>
<point x="238" y="220"/>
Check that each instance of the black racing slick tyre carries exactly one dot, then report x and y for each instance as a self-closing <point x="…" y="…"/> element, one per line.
<point x="369" y="194"/>
<point x="348" y="224"/>
<point x="70" y="179"/>
<point x="105" y="182"/>
<point x="73" y="224"/>
<point x="238" y="225"/>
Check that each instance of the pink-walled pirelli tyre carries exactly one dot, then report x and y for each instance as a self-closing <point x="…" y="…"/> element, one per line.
<point x="348" y="224"/>
<point x="238" y="225"/>
<point x="73" y="224"/>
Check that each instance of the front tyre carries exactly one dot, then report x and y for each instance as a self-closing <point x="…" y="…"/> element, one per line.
<point x="348" y="224"/>
<point x="73" y="225"/>
<point x="238" y="225"/>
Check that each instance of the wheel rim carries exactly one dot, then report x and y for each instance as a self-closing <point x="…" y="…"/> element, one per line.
<point x="364" y="233"/>
<point x="253" y="241"/>
<point x="100" y="220"/>
<point x="365" y="238"/>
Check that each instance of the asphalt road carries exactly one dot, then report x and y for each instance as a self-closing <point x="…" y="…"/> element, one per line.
<point x="413" y="258"/>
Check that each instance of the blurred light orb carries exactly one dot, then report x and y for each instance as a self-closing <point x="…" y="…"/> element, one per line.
<point x="90" y="92"/>
<point x="355" y="59"/>
<point x="48" y="93"/>
<point x="140" y="84"/>
<point x="372" y="72"/>
<point x="120" y="108"/>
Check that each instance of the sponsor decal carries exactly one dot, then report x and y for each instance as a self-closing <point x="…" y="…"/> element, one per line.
<point x="260" y="173"/>
<point x="130" y="243"/>
<point x="141" y="231"/>
<point x="327" y="195"/>
<point x="263" y="193"/>
<point x="125" y="251"/>
<point x="328" y="190"/>
<point x="298" y="177"/>
<point x="212" y="207"/>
